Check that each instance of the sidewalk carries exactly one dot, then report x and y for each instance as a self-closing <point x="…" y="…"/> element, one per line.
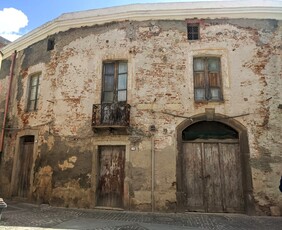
<point x="24" y="216"/>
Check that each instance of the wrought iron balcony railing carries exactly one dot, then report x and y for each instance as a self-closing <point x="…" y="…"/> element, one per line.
<point x="110" y="115"/>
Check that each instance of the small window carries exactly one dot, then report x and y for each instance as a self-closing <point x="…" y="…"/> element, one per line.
<point x="209" y="130"/>
<point x="193" y="31"/>
<point x="33" y="93"/>
<point x="207" y="79"/>
<point x="28" y="139"/>
<point x="50" y="44"/>
<point x="114" y="82"/>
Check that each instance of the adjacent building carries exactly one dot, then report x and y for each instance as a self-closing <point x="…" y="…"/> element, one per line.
<point x="147" y="107"/>
<point x="3" y="42"/>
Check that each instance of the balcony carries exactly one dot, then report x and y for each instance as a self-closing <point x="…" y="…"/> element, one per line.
<point x="110" y="116"/>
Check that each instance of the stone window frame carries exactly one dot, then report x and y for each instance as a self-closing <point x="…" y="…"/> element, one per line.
<point x="193" y="29"/>
<point x="212" y="79"/>
<point x="225" y="71"/>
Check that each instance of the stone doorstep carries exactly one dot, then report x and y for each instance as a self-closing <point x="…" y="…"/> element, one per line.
<point x="2" y="206"/>
<point x="275" y="211"/>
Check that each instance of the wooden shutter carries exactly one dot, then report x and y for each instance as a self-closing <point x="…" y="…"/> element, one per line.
<point x="214" y="78"/>
<point x="199" y="79"/>
<point x="207" y="79"/>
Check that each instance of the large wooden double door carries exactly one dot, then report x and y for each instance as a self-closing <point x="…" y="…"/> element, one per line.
<point x="212" y="176"/>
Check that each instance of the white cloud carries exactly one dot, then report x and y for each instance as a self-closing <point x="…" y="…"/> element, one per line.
<point x="14" y="20"/>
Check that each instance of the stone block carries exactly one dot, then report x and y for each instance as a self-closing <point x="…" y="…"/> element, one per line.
<point x="275" y="211"/>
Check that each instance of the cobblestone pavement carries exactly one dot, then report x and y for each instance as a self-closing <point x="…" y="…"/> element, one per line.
<point x="23" y="216"/>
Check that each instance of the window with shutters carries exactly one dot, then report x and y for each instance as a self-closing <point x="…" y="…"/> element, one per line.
<point x="33" y="93"/>
<point x="207" y="79"/>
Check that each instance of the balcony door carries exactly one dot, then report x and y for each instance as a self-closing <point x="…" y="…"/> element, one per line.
<point x="114" y="92"/>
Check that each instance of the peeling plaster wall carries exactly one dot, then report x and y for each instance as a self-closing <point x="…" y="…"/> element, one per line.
<point x="160" y="79"/>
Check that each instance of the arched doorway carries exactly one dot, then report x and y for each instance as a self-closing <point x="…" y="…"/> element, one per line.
<point x="213" y="172"/>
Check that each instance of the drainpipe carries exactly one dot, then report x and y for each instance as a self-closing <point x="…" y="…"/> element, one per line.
<point x="14" y="55"/>
<point x="153" y="172"/>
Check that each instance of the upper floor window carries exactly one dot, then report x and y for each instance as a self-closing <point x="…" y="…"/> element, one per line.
<point x="33" y="93"/>
<point x="193" y="31"/>
<point x="50" y="44"/>
<point x="114" y="82"/>
<point x="207" y="79"/>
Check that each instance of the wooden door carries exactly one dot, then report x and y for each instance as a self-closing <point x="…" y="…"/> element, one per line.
<point x="25" y="162"/>
<point x="194" y="186"/>
<point x="212" y="176"/>
<point x="232" y="177"/>
<point x="111" y="176"/>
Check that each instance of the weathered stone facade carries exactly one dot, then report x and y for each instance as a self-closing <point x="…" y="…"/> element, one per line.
<point x="160" y="91"/>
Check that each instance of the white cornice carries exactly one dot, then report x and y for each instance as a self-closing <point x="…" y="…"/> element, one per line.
<point x="258" y="9"/>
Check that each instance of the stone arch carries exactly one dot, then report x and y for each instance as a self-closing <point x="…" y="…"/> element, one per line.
<point x="244" y="156"/>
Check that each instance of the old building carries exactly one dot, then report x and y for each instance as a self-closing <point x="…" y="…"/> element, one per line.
<point x="154" y="107"/>
<point x="3" y="42"/>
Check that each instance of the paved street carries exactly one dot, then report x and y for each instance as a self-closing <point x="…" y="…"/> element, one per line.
<point x="23" y="216"/>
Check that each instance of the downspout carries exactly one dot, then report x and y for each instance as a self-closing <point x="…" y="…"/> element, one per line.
<point x="14" y="55"/>
<point x="153" y="172"/>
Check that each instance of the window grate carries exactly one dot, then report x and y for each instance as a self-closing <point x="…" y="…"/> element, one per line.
<point x="193" y="31"/>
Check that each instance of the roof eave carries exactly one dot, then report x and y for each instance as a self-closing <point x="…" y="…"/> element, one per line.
<point x="138" y="13"/>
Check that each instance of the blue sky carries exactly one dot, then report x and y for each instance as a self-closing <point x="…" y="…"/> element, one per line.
<point x="18" y="17"/>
